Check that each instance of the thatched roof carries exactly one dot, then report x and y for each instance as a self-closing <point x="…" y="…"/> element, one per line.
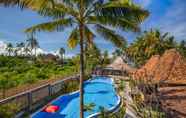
<point x="170" y="67"/>
<point x="119" y="64"/>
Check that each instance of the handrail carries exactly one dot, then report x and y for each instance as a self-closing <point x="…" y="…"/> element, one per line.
<point x="3" y="101"/>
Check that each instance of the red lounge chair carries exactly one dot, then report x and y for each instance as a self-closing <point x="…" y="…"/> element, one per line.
<point x="51" y="109"/>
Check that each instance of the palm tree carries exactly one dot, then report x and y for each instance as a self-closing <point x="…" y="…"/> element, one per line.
<point x="62" y="53"/>
<point x="92" y="57"/>
<point x="84" y="16"/>
<point x="105" y="58"/>
<point x="150" y="43"/>
<point x="33" y="44"/>
<point x="9" y="49"/>
<point x="15" y="52"/>
<point x="27" y="51"/>
<point x="117" y="52"/>
<point x="20" y="46"/>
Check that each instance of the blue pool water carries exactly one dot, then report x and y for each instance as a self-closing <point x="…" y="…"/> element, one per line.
<point x="99" y="90"/>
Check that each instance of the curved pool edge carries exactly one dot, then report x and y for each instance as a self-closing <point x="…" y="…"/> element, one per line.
<point x="111" y="110"/>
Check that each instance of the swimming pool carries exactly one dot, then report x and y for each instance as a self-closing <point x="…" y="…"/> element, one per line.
<point x="99" y="90"/>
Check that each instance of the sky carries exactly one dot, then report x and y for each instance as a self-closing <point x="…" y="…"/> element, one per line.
<point x="166" y="15"/>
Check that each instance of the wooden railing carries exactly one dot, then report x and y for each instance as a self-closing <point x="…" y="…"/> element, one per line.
<point x="31" y="100"/>
<point x="108" y="71"/>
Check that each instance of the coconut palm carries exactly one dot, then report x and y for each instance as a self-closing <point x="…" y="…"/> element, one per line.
<point x="62" y="53"/>
<point x="32" y="44"/>
<point x="92" y="57"/>
<point x="150" y="43"/>
<point x="15" y="51"/>
<point x="85" y="17"/>
<point x="27" y="51"/>
<point x="9" y="48"/>
<point x="20" y="46"/>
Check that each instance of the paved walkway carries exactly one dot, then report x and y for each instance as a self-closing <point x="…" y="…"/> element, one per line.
<point x="130" y="113"/>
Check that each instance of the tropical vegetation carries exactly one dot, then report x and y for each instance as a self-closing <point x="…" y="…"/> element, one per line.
<point x="81" y="16"/>
<point x="16" y="71"/>
<point x="150" y="43"/>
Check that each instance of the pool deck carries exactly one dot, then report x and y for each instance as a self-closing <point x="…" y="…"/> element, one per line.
<point x="130" y="113"/>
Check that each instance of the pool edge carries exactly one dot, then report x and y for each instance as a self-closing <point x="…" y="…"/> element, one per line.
<point x="112" y="109"/>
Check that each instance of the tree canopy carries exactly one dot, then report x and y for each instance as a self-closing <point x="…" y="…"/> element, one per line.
<point x="150" y="43"/>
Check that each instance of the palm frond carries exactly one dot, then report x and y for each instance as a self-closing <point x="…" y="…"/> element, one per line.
<point x="9" y="2"/>
<point x="122" y="9"/>
<point x="27" y="3"/>
<point x="58" y="11"/>
<point x="89" y="3"/>
<point x="89" y="36"/>
<point x="51" y="8"/>
<point x="57" y="25"/>
<point x="110" y="35"/>
<point x="73" y="39"/>
<point x="121" y="23"/>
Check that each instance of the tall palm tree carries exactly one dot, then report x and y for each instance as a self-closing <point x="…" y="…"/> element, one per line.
<point x="9" y="48"/>
<point x="62" y="53"/>
<point x="15" y="52"/>
<point x="33" y="44"/>
<point x="20" y="46"/>
<point x="84" y="16"/>
<point x="27" y="51"/>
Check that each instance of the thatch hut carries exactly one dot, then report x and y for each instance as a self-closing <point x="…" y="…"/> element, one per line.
<point x="119" y="64"/>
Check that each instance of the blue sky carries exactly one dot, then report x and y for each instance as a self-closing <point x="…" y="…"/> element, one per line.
<point x="166" y="15"/>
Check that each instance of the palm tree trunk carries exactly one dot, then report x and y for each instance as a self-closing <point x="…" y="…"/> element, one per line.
<point x="81" y="30"/>
<point x="62" y="59"/>
<point x="35" y="52"/>
<point x="81" y="71"/>
<point x="9" y="53"/>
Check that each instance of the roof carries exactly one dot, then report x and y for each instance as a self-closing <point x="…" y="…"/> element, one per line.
<point x="119" y="64"/>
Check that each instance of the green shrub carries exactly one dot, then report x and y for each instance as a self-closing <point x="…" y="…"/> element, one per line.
<point x="23" y="70"/>
<point x="8" y="111"/>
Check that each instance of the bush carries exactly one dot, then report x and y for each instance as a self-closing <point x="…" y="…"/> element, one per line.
<point x="22" y="70"/>
<point x="8" y="111"/>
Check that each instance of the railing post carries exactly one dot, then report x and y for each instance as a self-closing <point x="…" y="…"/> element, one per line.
<point x="29" y="101"/>
<point x="49" y="90"/>
<point x="62" y="86"/>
